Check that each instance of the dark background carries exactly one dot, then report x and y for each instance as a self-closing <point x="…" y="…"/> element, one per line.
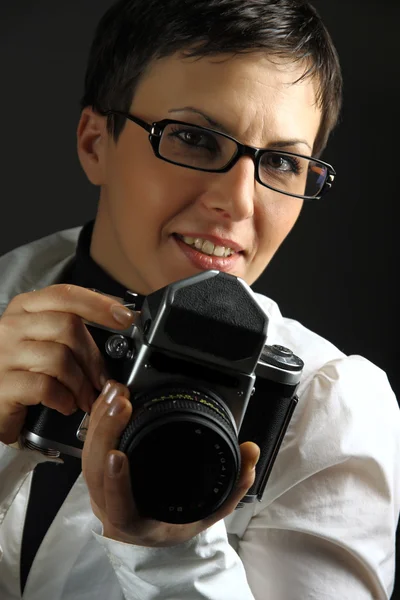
<point x="337" y="270"/>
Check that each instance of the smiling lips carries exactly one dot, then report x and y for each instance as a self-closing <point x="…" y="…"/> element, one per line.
<point x="207" y="247"/>
<point x="204" y="254"/>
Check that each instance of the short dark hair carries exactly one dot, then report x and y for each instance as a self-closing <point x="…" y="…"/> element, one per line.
<point x="133" y="33"/>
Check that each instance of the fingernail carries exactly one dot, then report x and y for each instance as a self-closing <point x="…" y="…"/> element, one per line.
<point x="114" y="466"/>
<point x="106" y="386"/>
<point x="116" y="408"/>
<point x="110" y="392"/>
<point x="122" y="315"/>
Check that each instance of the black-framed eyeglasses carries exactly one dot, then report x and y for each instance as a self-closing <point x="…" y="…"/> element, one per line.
<point x="205" y="149"/>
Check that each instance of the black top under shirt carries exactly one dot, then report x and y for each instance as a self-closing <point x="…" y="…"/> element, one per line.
<point x="51" y="482"/>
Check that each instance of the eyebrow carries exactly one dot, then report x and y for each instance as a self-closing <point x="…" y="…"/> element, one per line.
<point x="217" y="125"/>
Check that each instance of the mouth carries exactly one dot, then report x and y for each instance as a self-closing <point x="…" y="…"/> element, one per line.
<point x="205" y="255"/>
<point x="208" y="247"/>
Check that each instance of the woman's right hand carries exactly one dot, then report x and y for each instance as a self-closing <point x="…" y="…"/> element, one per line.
<point x="47" y="355"/>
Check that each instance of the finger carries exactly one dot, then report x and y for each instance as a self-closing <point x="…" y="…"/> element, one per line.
<point x="57" y="361"/>
<point x="103" y="435"/>
<point x="250" y="453"/>
<point x="119" y="504"/>
<point x="109" y="392"/>
<point x="111" y="389"/>
<point x="84" y="303"/>
<point x="20" y="389"/>
<point x="64" y="328"/>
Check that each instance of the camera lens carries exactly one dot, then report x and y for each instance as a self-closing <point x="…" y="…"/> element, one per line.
<point x="183" y="453"/>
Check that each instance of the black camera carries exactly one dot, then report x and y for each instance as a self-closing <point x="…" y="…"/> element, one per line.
<point x="202" y="381"/>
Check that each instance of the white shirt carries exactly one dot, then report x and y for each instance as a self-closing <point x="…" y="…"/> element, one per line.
<point x="325" y="528"/>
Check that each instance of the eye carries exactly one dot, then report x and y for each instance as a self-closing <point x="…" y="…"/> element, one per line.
<point x="195" y="138"/>
<point x="192" y="138"/>
<point x="281" y="162"/>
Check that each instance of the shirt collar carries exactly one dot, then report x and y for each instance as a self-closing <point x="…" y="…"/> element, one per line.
<point x="87" y="273"/>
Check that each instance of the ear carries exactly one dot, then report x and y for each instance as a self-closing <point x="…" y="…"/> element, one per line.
<point x="92" y="141"/>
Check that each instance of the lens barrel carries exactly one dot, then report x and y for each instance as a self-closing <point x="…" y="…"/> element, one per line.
<point x="183" y="453"/>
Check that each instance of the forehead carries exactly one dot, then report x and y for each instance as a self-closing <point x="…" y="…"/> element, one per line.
<point x="253" y="95"/>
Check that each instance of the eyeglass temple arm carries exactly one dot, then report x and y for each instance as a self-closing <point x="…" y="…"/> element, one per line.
<point x="120" y="113"/>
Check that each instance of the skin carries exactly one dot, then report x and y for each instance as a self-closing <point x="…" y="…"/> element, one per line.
<point x="144" y="200"/>
<point x="46" y="355"/>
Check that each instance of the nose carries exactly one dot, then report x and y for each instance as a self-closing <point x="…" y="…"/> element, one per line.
<point x="232" y="194"/>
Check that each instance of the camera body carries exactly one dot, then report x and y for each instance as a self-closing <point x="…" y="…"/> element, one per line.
<point x="202" y="380"/>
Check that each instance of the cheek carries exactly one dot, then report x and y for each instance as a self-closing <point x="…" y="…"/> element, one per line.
<point x="274" y="222"/>
<point x="145" y="193"/>
<point x="129" y="174"/>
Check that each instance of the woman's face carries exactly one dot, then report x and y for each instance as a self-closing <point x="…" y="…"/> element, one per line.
<point x="147" y="205"/>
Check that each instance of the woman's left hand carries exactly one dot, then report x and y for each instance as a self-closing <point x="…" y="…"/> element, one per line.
<point x="106" y="471"/>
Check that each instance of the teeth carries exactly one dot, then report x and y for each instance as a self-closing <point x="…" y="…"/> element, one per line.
<point x="220" y="251"/>
<point x="207" y="247"/>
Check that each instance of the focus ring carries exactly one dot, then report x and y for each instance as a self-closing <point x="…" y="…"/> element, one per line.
<point x="151" y="412"/>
